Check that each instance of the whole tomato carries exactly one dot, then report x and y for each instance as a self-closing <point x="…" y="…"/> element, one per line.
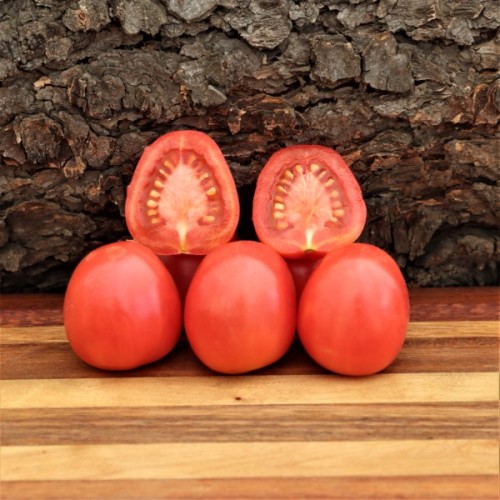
<point x="354" y="310"/>
<point x="301" y="270"/>
<point x="240" y="310"/>
<point x="121" y="308"/>
<point x="182" y="268"/>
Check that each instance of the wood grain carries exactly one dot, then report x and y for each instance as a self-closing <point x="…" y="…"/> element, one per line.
<point x="245" y="460"/>
<point x="248" y="390"/>
<point x="426" y="428"/>
<point x="440" y="349"/>
<point x="437" y="304"/>
<point x="273" y="422"/>
<point x="451" y="487"/>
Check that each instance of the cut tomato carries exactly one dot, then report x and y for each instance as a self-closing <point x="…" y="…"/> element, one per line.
<point x="182" y="198"/>
<point x="307" y="202"/>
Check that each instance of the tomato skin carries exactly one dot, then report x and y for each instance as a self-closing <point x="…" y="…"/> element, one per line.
<point x="163" y="237"/>
<point x="240" y="310"/>
<point x="121" y="308"/>
<point x="354" y="311"/>
<point x="292" y="242"/>
<point x="182" y="268"/>
<point x="301" y="270"/>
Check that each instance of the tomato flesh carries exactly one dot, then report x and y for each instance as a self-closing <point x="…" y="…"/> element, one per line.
<point x="354" y="311"/>
<point x="307" y="201"/>
<point x="121" y="308"/>
<point x="240" y="310"/>
<point x="182" y="197"/>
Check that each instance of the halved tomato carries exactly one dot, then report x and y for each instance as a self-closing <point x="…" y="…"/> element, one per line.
<point x="182" y="198"/>
<point x="307" y="202"/>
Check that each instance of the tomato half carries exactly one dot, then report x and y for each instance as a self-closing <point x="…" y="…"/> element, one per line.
<point x="307" y="201"/>
<point x="240" y="310"/>
<point x="182" y="197"/>
<point x="354" y="311"/>
<point x="121" y="308"/>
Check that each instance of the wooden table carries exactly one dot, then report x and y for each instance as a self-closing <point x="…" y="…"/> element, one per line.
<point x="426" y="428"/>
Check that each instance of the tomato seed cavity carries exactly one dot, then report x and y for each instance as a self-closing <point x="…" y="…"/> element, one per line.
<point x="306" y="198"/>
<point x="183" y="193"/>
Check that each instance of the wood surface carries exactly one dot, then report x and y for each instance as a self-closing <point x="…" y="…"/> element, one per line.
<point x="426" y="428"/>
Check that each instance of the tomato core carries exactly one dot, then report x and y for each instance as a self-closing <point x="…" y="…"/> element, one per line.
<point x="306" y="201"/>
<point x="183" y="194"/>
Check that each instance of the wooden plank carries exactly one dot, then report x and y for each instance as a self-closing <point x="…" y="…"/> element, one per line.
<point x="455" y="304"/>
<point x="435" y="488"/>
<point x="249" y="390"/>
<point x="319" y="422"/>
<point x="13" y="335"/>
<point x="453" y="329"/>
<point x="427" y="304"/>
<point x="30" y="309"/>
<point x="419" y="330"/>
<point x="240" y="460"/>
<point x="442" y="487"/>
<point x="427" y="354"/>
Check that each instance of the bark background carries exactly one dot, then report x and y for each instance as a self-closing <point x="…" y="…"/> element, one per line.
<point x="405" y="89"/>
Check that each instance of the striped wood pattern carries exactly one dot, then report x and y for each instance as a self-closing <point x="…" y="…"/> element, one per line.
<point x="426" y="428"/>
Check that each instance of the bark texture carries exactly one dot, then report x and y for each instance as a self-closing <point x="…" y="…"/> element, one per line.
<point x="406" y="90"/>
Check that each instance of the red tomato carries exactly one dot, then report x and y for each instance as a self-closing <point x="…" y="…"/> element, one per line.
<point x="301" y="269"/>
<point x="307" y="201"/>
<point x="182" y="269"/>
<point x="240" y="310"/>
<point x="354" y="311"/>
<point x="182" y="198"/>
<point x="121" y="308"/>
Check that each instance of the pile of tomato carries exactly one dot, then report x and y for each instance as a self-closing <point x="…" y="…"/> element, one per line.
<point x="240" y="303"/>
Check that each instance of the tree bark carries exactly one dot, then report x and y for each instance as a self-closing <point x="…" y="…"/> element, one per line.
<point x="406" y="90"/>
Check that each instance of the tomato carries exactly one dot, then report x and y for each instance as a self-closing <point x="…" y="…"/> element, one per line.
<point x="182" y="197"/>
<point x="182" y="269"/>
<point x="354" y="311"/>
<point x="240" y="310"/>
<point x="307" y="201"/>
<point x="301" y="269"/>
<point x="121" y="308"/>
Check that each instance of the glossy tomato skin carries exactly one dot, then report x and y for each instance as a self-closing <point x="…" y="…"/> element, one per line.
<point x="240" y="310"/>
<point x="354" y="311"/>
<point x="307" y="202"/>
<point x="121" y="308"/>
<point x="182" y="198"/>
